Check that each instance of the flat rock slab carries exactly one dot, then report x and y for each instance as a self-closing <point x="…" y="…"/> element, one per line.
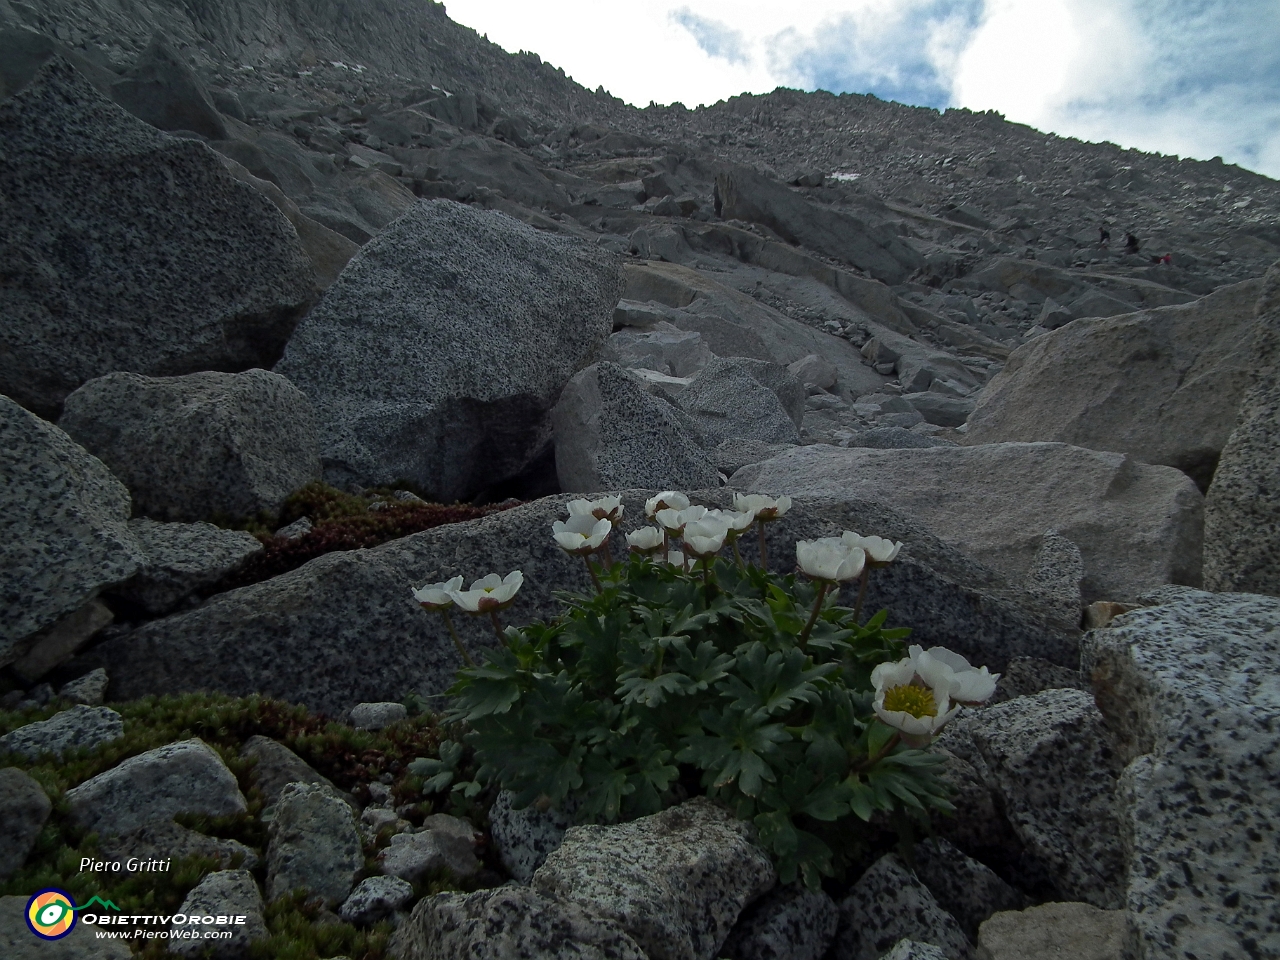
<point x="182" y="777"/>
<point x="1055" y="931"/>
<point x="200" y="445"/>
<point x="80" y="728"/>
<point x="64" y="532"/>
<point x="439" y="352"/>
<point x="1190" y="688"/>
<point x="1161" y="385"/>
<point x="1137" y="526"/>
<point x="675" y="881"/>
<point x="180" y="559"/>
<point x="344" y="628"/>
<point x="130" y="249"/>
<point x="509" y="921"/>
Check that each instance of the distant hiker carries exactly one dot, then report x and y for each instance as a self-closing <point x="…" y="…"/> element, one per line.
<point x="1104" y="236"/>
<point x="1131" y="244"/>
<point x="1167" y="259"/>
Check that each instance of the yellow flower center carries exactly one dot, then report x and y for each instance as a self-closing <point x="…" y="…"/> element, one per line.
<point x="917" y="701"/>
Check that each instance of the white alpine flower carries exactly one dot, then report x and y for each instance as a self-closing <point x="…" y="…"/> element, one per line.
<point x="830" y="559"/>
<point x="435" y="596"/>
<point x="761" y="507"/>
<point x="581" y="534"/>
<point x="970" y="685"/>
<point x="704" y="537"/>
<point x="879" y="550"/>
<point x="489" y="593"/>
<point x="606" y="508"/>
<point x="666" y="500"/>
<point x="914" y="697"/>
<point x="645" y="540"/>
<point x="735" y="521"/>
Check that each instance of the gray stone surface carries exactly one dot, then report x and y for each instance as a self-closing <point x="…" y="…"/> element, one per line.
<point x="1242" y="509"/>
<point x="344" y="628"/>
<point x="182" y="777"/>
<point x="80" y="728"/>
<point x="91" y="689"/>
<point x="166" y="840"/>
<point x="1025" y="676"/>
<point x="162" y="89"/>
<point x="200" y="445"/>
<point x="376" y="898"/>
<point x="1189" y="688"/>
<point x="611" y="434"/>
<point x="906" y="949"/>
<point x="733" y="397"/>
<point x="180" y="559"/>
<point x="968" y="890"/>
<point x="375" y="716"/>
<point x="889" y="904"/>
<point x="1137" y="526"/>
<point x="64" y="534"/>
<point x="675" y="881"/>
<point x="411" y="856"/>
<point x="1161" y="385"/>
<point x="1053" y="582"/>
<point x="1050" y="761"/>
<point x="223" y="893"/>
<point x="663" y="347"/>
<point x="524" y="838"/>
<point x="276" y="766"/>
<point x="943" y="410"/>
<point x="893" y="438"/>
<point x="745" y="195"/>
<point x="813" y="371"/>
<point x="24" y="808"/>
<point x="147" y="257"/>
<point x="510" y="921"/>
<point x="58" y="643"/>
<point x="733" y="454"/>
<point x="1056" y="931"/>
<point x="787" y="923"/>
<point x="457" y="327"/>
<point x="82" y="943"/>
<point x="314" y="844"/>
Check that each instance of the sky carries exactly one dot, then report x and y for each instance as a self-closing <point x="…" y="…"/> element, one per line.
<point x="1197" y="78"/>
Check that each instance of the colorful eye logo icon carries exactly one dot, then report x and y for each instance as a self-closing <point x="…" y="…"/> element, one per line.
<point x="51" y="914"/>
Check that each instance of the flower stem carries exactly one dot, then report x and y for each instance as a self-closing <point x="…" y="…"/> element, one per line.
<point x="764" y="550"/>
<point x="862" y="592"/>
<point x="607" y="549"/>
<point x="497" y="626"/>
<point x="592" y="570"/>
<point x="456" y="642"/>
<point x="706" y="579"/>
<point x="880" y="754"/>
<point x="736" y="554"/>
<point x="813" y="617"/>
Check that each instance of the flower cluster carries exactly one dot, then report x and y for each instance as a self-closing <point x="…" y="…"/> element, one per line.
<point x="486" y="597"/>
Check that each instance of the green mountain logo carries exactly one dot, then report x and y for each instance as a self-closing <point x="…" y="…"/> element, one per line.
<point x="105" y="904"/>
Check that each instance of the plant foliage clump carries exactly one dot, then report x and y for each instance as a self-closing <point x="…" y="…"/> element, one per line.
<point x="750" y="687"/>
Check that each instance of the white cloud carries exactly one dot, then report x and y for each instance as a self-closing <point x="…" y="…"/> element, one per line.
<point x="1194" y="77"/>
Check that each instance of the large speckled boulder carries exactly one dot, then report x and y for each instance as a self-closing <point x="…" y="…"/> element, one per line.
<point x="507" y="922"/>
<point x="611" y="433"/>
<point x="1050" y="760"/>
<point x="201" y="445"/>
<point x="223" y="892"/>
<point x="1189" y="688"/>
<point x="1137" y="526"/>
<point x="1242" y="509"/>
<point x="182" y="777"/>
<point x="889" y="904"/>
<point x="439" y="352"/>
<point x="787" y="923"/>
<point x="24" y="808"/>
<point x="675" y="881"/>
<point x="64" y="533"/>
<point x="1161" y="385"/>
<point x="344" y="628"/>
<point x="127" y="249"/>
<point x="745" y="399"/>
<point x="180" y="559"/>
